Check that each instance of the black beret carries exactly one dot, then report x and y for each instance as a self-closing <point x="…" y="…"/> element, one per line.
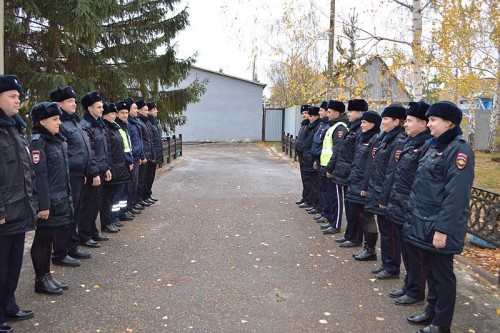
<point x="417" y="109"/>
<point x="357" y="105"/>
<point x="336" y="105"/>
<point x="396" y="111"/>
<point x="108" y="108"/>
<point x="122" y="105"/>
<point x="9" y="82"/>
<point x="304" y="107"/>
<point x="324" y="105"/>
<point x="90" y="98"/>
<point x="141" y="103"/>
<point x="60" y="94"/>
<point x="445" y="110"/>
<point x="44" y="110"/>
<point x="151" y="105"/>
<point x="313" y="111"/>
<point x="130" y="100"/>
<point x="372" y="117"/>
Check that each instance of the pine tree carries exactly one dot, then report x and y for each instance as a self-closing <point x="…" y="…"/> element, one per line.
<point x="118" y="47"/>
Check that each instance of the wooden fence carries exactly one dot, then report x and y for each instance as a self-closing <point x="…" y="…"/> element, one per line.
<point x="172" y="148"/>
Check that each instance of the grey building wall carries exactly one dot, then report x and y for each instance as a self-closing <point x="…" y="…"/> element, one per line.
<point x="230" y="109"/>
<point x="482" y="120"/>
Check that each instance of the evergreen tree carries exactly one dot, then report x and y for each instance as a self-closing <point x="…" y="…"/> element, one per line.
<point x="118" y="47"/>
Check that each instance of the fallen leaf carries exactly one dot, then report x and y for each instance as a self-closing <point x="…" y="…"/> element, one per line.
<point x="327" y="313"/>
<point x="380" y="318"/>
<point x="97" y="286"/>
<point x="244" y="321"/>
<point x="165" y="318"/>
<point x="322" y="321"/>
<point x="233" y="268"/>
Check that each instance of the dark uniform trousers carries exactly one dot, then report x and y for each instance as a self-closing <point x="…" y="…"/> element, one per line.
<point x="106" y="209"/>
<point x="442" y="285"/>
<point x="41" y="248"/>
<point x="11" y="260"/>
<point x="67" y="240"/>
<point x="306" y="191"/>
<point x="311" y="178"/>
<point x="132" y="187"/>
<point x="354" y="213"/>
<point x="149" y="179"/>
<point x="335" y="199"/>
<point x="413" y="259"/>
<point x="143" y="171"/>
<point x="389" y="245"/>
<point x="90" y="209"/>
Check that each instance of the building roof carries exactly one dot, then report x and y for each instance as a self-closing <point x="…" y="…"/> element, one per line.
<point x="263" y="85"/>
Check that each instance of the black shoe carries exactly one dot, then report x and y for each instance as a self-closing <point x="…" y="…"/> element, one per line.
<point x="308" y="209"/>
<point x="322" y="220"/>
<point x="153" y="198"/>
<point x="385" y="275"/>
<point x="298" y="202"/>
<point x="407" y="300"/>
<point x="62" y="285"/>
<point x="434" y="329"/>
<point x="359" y="252"/>
<point x="331" y="231"/>
<point x="20" y="315"/>
<point x="109" y="228"/>
<point x="366" y="255"/>
<point x="135" y="211"/>
<point x="340" y="240"/>
<point x="44" y="286"/>
<point x="349" y="244"/>
<point x="100" y="238"/>
<point x="79" y="254"/>
<point x="420" y="319"/>
<point x="324" y="227"/>
<point x="317" y="217"/>
<point x="144" y="203"/>
<point x="118" y="224"/>
<point x="91" y="243"/>
<point x="149" y="201"/>
<point x="124" y="218"/>
<point x="6" y="328"/>
<point x="66" y="261"/>
<point x="377" y="270"/>
<point x="314" y="211"/>
<point x="396" y="293"/>
<point x="138" y="206"/>
<point x="304" y="205"/>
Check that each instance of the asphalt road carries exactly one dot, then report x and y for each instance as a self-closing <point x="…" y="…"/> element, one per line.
<point x="227" y="250"/>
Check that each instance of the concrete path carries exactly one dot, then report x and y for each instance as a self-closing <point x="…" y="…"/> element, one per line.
<point x="227" y="250"/>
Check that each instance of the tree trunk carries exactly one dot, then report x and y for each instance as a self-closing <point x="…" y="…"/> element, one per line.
<point x="417" y="49"/>
<point x="331" y="36"/>
<point x="495" y="114"/>
<point x="472" y="123"/>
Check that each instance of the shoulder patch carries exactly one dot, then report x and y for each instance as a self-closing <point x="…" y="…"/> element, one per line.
<point x="397" y="154"/>
<point x="35" y="156"/>
<point x="461" y="161"/>
<point x="374" y="151"/>
<point x="35" y="137"/>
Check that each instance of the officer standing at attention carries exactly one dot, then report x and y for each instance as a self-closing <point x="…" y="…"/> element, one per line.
<point x="147" y="143"/>
<point x="17" y="204"/>
<point x="413" y="290"/>
<point x="438" y="209"/>
<point x="49" y="155"/>
<point x="158" y="149"/>
<point x="341" y="163"/>
<point x="299" y="149"/>
<point x="332" y="192"/>
<point x="99" y="170"/>
<point x="66" y="252"/>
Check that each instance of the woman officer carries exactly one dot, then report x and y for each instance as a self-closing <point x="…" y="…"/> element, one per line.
<point x="438" y="209"/>
<point x="55" y="209"/>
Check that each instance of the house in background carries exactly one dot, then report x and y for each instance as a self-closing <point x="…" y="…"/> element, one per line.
<point x="230" y="110"/>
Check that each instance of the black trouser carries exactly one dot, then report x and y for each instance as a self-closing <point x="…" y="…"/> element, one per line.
<point x="143" y="171"/>
<point x="354" y="213"/>
<point x="42" y="247"/>
<point x="413" y="259"/>
<point x="132" y="187"/>
<point x="105" y="211"/>
<point x="311" y="178"/>
<point x="66" y="240"/>
<point x="149" y="179"/>
<point x="389" y="245"/>
<point x="11" y="261"/>
<point x="334" y="203"/>
<point x="305" y="186"/>
<point x="90" y="208"/>
<point x="442" y="287"/>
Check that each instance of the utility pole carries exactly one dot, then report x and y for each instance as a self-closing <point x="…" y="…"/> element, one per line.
<point x="331" y="36"/>
<point x="2" y="44"/>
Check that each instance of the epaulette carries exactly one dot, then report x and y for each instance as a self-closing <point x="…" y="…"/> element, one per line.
<point x="85" y="124"/>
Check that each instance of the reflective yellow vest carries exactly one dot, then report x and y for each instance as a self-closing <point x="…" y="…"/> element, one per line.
<point x="126" y="140"/>
<point x="327" y="150"/>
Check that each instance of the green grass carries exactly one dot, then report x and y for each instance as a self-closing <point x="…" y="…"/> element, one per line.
<point x="487" y="172"/>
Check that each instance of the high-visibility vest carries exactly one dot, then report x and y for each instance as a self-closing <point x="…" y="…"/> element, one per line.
<point x="126" y="140"/>
<point x="327" y="150"/>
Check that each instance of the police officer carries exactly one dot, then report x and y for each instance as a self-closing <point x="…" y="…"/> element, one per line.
<point x="158" y="151"/>
<point x="17" y="204"/>
<point x="332" y="192"/>
<point x="363" y="223"/>
<point x="49" y="155"/>
<point x="438" y="209"/>
<point x="340" y="164"/>
<point x="66" y="252"/>
<point x="413" y="290"/>
<point x="99" y="170"/>
<point x="299" y="149"/>
<point x="379" y="187"/>
<point x="143" y="121"/>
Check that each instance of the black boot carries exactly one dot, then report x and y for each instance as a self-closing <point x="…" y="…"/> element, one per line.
<point x="368" y="253"/>
<point x="62" y="285"/>
<point x="44" y="286"/>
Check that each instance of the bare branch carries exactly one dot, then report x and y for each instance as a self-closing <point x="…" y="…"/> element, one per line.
<point x="403" y="4"/>
<point x="426" y="5"/>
